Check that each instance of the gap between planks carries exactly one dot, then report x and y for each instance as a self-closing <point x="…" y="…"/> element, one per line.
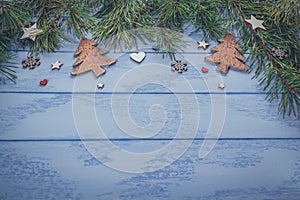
<point x="145" y="139"/>
<point x="125" y="52"/>
<point x="126" y="93"/>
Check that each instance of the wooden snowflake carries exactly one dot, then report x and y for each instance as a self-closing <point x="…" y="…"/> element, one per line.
<point x="179" y="66"/>
<point x="279" y="53"/>
<point x="31" y="62"/>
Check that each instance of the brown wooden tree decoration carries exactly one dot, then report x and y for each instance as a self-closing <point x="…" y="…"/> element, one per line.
<point x="90" y="58"/>
<point x="228" y="54"/>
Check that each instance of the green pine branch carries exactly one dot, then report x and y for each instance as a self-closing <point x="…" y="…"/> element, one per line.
<point x="118" y="22"/>
<point x="12" y="16"/>
<point x="58" y="19"/>
<point x="206" y="18"/>
<point x="7" y="67"/>
<point x="173" y="14"/>
<point x="280" y="78"/>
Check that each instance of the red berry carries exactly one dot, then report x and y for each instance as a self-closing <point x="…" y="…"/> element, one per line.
<point x="204" y="70"/>
<point x="44" y="82"/>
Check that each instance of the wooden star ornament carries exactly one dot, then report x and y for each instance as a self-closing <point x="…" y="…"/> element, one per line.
<point x="100" y="86"/>
<point x="56" y="65"/>
<point x="256" y="23"/>
<point x="31" y="32"/>
<point x="221" y="86"/>
<point x="202" y="44"/>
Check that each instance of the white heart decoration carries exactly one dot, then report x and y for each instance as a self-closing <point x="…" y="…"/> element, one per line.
<point x="138" y="57"/>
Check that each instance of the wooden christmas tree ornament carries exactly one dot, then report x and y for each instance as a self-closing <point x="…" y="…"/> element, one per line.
<point x="90" y="58"/>
<point x="228" y="54"/>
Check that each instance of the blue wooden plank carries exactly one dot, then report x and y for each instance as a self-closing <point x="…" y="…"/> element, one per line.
<point x="65" y="116"/>
<point x="50" y="146"/>
<point x="235" y="169"/>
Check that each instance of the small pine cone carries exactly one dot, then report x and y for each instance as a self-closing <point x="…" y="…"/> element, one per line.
<point x="52" y="25"/>
<point x="57" y="17"/>
<point x="4" y="9"/>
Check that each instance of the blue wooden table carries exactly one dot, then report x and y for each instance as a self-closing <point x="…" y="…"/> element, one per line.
<point x="150" y="133"/>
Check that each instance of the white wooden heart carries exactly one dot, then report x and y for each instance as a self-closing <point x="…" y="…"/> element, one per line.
<point x="138" y="57"/>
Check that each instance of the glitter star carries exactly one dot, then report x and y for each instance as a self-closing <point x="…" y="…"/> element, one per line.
<point x="256" y="23"/>
<point x="31" y="32"/>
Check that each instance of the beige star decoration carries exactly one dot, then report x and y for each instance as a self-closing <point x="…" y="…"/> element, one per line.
<point x="100" y="85"/>
<point x="256" y="23"/>
<point x="56" y="65"/>
<point x="31" y="32"/>
<point x="221" y="86"/>
<point x="202" y="44"/>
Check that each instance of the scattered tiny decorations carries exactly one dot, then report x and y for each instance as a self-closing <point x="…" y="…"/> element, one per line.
<point x="221" y="86"/>
<point x="44" y="82"/>
<point x="31" y="32"/>
<point x="31" y="62"/>
<point x="138" y="57"/>
<point x="56" y="65"/>
<point x="204" y="70"/>
<point x="279" y="53"/>
<point x="100" y="85"/>
<point x="202" y="44"/>
<point x="256" y="23"/>
<point x="179" y="66"/>
<point x="228" y="54"/>
<point x="90" y="58"/>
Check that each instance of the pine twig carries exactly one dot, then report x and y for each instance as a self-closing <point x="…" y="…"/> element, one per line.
<point x="264" y="47"/>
